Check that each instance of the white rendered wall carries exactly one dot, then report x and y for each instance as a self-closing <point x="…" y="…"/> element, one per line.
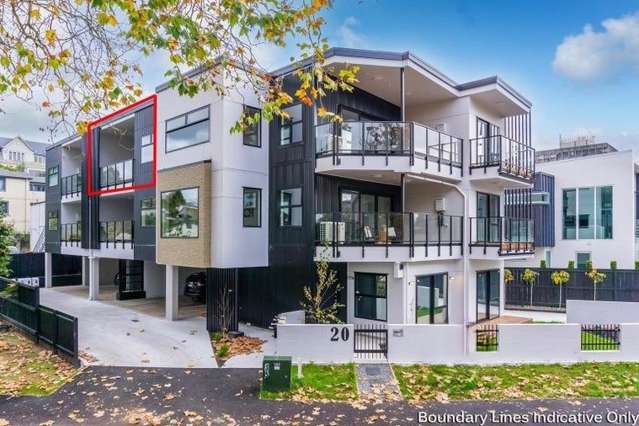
<point x="321" y="343"/>
<point x="154" y="280"/>
<point x="601" y="312"/>
<point x="613" y="169"/>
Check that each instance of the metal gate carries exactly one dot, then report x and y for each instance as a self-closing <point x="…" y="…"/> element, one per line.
<point x="370" y="341"/>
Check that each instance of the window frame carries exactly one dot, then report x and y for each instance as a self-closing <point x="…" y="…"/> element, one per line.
<point x="291" y="124"/>
<point x="53" y="214"/>
<point x="143" y="146"/>
<point x="3" y="184"/>
<point x="186" y="124"/>
<point x="290" y="207"/>
<point x="146" y="209"/>
<point x="385" y="297"/>
<point x="4" y="211"/>
<point x="258" y="207"/>
<point x="431" y="295"/>
<point x="596" y="213"/>
<point x="198" y="214"/>
<point x="577" y="253"/>
<point x="258" y="127"/>
<point x="50" y="172"/>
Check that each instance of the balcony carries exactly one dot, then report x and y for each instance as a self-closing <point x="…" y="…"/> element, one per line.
<point x="498" y="155"/>
<point x="118" y="175"/>
<point x="385" y="237"/>
<point x="116" y="238"/>
<point x="387" y="145"/>
<point x="71" y="187"/>
<point x="501" y="236"/>
<point x="71" y="234"/>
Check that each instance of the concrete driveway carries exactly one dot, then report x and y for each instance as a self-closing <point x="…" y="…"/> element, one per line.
<point x="130" y="333"/>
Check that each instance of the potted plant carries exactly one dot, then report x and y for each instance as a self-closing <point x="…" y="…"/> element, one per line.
<point x="529" y="276"/>
<point x="597" y="278"/>
<point x="613" y="265"/>
<point x="560" y="278"/>
<point x="542" y="264"/>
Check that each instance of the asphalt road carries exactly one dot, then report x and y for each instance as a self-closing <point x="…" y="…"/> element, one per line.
<point x="116" y="395"/>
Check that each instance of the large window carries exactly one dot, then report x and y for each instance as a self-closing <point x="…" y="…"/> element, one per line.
<point x="432" y="299"/>
<point x="146" y="148"/>
<point x="147" y="212"/>
<point x="290" y="205"/>
<point x="252" y="134"/>
<point x="180" y="213"/>
<point x="188" y="129"/>
<point x="291" y="128"/>
<point x="251" y="207"/>
<point x="52" y="176"/>
<point x="36" y="187"/>
<point x="582" y="260"/>
<point x="3" y="184"/>
<point x="604" y="212"/>
<point x="370" y="296"/>
<point x="587" y="213"/>
<point x="4" y="207"/>
<point x="52" y="220"/>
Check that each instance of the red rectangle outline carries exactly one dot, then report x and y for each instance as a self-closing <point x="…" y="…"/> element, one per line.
<point x="89" y="142"/>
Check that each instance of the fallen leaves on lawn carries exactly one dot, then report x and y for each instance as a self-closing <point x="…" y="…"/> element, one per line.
<point x="240" y="345"/>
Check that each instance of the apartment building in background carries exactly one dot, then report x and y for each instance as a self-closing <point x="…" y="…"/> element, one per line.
<point x="584" y="205"/>
<point x="405" y="198"/>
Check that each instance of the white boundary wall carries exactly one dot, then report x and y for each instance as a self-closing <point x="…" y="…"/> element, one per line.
<point x="444" y="344"/>
<point x="600" y="312"/>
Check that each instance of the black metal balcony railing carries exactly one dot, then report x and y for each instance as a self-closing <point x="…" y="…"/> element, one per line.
<point x="118" y="175"/>
<point x="511" y="157"/>
<point x="388" y="138"/>
<point x="509" y="235"/>
<point x="71" y="185"/>
<point x="117" y="232"/>
<point x="71" y="233"/>
<point x="388" y="229"/>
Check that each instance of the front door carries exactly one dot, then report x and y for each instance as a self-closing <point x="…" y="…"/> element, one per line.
<point x="130" y="279"/>
<point x="432" y="299"/>
<point x="487" y="295"/>
<point x="488" y="222"/>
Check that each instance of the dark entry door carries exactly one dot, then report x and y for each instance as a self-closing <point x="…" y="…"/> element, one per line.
<point x="487" y="295"/>
<point x="130" y="279"/>
<point x="488" y="222"/>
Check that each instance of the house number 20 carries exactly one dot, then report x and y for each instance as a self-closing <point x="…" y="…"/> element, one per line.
<point x="344" y="334"/>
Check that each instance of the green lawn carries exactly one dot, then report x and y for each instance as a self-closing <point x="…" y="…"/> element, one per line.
<point x="319" y="382"/>
<point x="584" y="380"/>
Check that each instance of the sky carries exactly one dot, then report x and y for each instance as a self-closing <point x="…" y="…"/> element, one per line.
<point x="576" y="61"/>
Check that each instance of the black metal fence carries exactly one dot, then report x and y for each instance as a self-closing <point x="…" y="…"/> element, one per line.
<point x="619" y="285"/>
<point x="600" y="337"/>
<point x="370" y="341"/>
<point x="52" y="327"/>
<point x="66" y="269"/>
<point x="487" y="338"/>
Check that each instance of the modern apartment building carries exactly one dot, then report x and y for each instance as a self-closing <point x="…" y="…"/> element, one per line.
<point x="584" y="207"/>
<point x="405" y="198"/>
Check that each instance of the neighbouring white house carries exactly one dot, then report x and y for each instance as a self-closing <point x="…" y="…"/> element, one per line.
<point x="584" y="206"/>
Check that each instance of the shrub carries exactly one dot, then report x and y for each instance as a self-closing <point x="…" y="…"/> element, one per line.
<point x="589" y="265"/>
<point x="637" y="265"/>
<point x="597" y="278"/>
<point x="542" y="264"/>
<point x="508" y="276"/>
<point x="223" y="351"/>
<point x="613" y="264"/>
<point x="571" y="265"/>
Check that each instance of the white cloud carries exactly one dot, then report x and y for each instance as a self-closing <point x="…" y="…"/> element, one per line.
<point x="593" y="55"/>
<point x="348" y="36"/>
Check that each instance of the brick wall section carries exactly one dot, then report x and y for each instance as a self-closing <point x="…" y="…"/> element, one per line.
<point x="194" y="252"/>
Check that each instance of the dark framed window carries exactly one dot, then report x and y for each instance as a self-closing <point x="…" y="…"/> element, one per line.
<point x="487" y="294"/>
<point x="290" y="206"/>
<point x="582" y="260"/>
<point x="370" y="296"/>
<point x="431" y="299"/>
<point x="251" y="208"/>
<point x="146" y="148"/>
<point x="252" y="134"/>
<point x="35" y="186"/>
<point x="4" y="207"/>
<point x="604" y="212"/>
<point x="52" y="220"/>
<point x="179" y="215"/>
<point x="147" y="212"/>
<point x="187" y="129"/>
<point x="3" y="184"/>
<point x="52" y="176"/>
<point x="291" y="128"/>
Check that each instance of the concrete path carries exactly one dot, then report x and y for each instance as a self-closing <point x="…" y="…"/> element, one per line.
<point x="537" y="315"/>
<point x="110" y="334"/>
<point x="120" y="396"/>
<point x="377" y="384"/>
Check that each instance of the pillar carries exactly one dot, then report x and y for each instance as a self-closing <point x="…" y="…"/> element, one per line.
<point x="85" y="271"/>
<point x="48" y="270"/>
<point x="172" y="293"/>
<point x="94" y="278"/>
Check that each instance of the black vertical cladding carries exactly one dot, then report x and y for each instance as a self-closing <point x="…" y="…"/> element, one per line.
<point x="221" y="282"/>
<point x="85" y="201"/>
<point x="93" y="226"/>
<point x="144" y="237"/>
<point x="53" y="200"/>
